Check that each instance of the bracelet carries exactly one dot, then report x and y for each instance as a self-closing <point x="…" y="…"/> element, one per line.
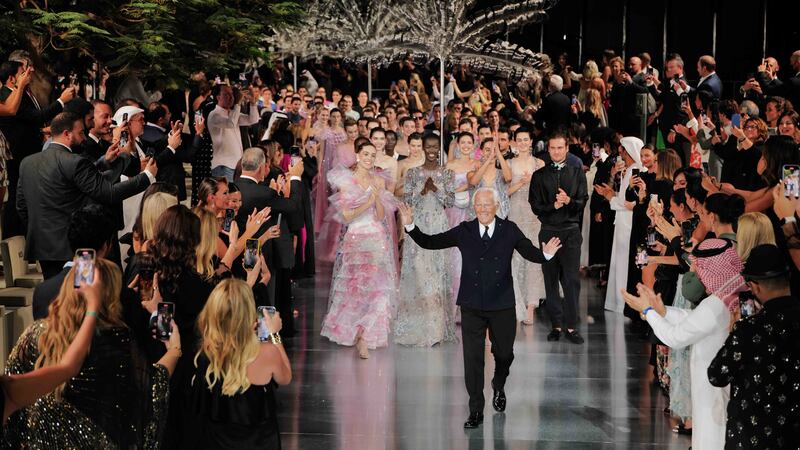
<point x="646" y="310"/>
<point x="91" y="314"/>
<point x="275" y="338"/>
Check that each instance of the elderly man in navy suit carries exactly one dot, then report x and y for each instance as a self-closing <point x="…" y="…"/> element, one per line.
<point x="486" y="295"/>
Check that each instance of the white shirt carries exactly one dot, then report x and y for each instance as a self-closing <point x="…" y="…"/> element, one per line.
<point x="223" y="126"/>
<point x="705" y="78"/>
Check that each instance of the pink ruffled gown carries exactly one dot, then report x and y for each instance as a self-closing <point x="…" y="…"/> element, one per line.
<point x="364" y="285"/>
<point x="328" y="231"/>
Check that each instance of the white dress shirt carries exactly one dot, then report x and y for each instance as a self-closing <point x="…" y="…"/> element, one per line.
<point x="223" y="125"/>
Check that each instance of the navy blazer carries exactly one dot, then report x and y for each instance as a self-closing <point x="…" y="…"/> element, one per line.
<point x="486" y="278"/>
<point x="713" y="85"/>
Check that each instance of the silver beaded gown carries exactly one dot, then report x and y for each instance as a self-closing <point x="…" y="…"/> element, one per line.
<point x="425" y="315"/>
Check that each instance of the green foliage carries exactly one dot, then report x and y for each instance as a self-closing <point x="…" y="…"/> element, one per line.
<point x="163" y="40"/>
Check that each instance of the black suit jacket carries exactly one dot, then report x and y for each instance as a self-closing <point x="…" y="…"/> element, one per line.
<point x="789" y="89"/>
<point x="23" y="130"/>
<point x="622" y="112"/>
<point x="170" y="164"/>
<point x="279" y="252"/>
<point x="555" y="112"/>
<point x="54" y="183"/>
<point x="93" y="150"/>
<point x="713" y="85"/>
<point x="486" y="279"/>
<point x="46" y="292"/>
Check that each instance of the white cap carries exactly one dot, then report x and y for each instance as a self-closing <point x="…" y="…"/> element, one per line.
<point x="129" y="110"/>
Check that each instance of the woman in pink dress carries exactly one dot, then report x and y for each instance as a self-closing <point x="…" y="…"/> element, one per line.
<point x="363" y="291"/>
<point x="328" y="231"/>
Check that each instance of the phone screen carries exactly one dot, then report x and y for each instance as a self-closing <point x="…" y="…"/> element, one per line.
<point x="736" y="120"/>
<point x="84" y="266"/>
<point x="791" y="180"/>
<point x="250" y="253"/>
<point x="641" y="257"/>
<point x="229" y="216"/>
<point x="166" y="311"/>
<point x="263" y="330"/>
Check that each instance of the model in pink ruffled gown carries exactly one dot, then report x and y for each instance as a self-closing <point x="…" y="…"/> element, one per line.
<point x="364" y="284"/>
<point x="328" y="231"/>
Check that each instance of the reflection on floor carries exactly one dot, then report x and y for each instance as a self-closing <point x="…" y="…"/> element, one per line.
<point x="596" y="396"/>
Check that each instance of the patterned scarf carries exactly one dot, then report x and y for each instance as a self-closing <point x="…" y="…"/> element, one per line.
<point x="721" y="274"/>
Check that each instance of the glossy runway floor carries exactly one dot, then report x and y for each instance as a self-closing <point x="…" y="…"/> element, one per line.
<point x="598" y="395"/>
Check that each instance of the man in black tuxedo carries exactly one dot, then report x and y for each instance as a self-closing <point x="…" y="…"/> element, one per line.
<point x="95" y="145"/>
<point x="278" y="252"/>
<point x="556" y="107"/>
<point x="162" y="139"/>
<point x="55" y="182"/>
<point x="486" y="294"/>
<point x="23" y="132"/>
<point x="558" y="194"/>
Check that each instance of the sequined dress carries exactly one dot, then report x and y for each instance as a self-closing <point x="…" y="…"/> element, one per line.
<point x="528" y="276"/>
<point x="363" y="291"/>
<point x="680" y="375"/>
<point x="424" y="313"/>
<point x="456" y="214"/>
<point x="117" y="401"/>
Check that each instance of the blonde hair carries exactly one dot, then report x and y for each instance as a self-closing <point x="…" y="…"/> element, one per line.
<point x="754" y="229"/>
<point x="66" y="313"/>
<point x="594" y="102"/>
<point x="227" y="338"/>
<point x="153" y="206"/>
<point x="590" y="70"/>
<point x="207" y="247"/>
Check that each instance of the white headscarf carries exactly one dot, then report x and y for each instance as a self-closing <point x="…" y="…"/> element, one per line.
<point x="633" y="147"/>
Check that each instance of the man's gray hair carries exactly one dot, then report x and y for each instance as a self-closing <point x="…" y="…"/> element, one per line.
<point x="556" y="83"/>
<point x="750" y="108"/>
<point x="495" y="195"/>
<point x="253" y="158"/>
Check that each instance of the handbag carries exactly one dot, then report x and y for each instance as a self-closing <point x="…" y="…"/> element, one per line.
<point x="462" y="199"/>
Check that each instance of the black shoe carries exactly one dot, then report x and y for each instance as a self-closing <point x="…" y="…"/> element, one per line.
<point x="554" y="335"/>
<point x="499" y="400"/>
<point x="474" y="420"/>
<point x="573" y="337"/>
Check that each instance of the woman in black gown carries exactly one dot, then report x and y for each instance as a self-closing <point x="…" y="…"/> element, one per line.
<point x="238" y="410"/>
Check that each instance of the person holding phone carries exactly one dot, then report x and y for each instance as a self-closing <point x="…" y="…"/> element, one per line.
<point x="623" y="203"/>
<point x="242" y="382"/>
<point x="115" y="384"/>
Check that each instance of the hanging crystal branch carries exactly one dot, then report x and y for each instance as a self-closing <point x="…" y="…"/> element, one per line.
<point x="305" y="39"/>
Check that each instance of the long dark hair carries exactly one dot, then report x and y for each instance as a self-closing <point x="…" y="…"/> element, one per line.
<point x="778" y="150"/>
<point x="177" y="233"/>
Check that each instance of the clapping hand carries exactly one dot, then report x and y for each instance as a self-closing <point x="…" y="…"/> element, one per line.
<point x="562" y="197"/>
<point x="552" y="246"/>
<point x="647" y="298"/>
<point x="669" y="230"/>
<point x="605" y="191"/>
<point x="406" y="214"/>
<point x="430" y="186"/>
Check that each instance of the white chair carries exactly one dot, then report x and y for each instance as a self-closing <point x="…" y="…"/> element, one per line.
<point x="17" y="271"/>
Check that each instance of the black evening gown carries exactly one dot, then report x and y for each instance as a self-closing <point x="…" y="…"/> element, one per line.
<point x="201" y="165"/>
<point x="247" y="420"/>
<point x="601" y="234"/>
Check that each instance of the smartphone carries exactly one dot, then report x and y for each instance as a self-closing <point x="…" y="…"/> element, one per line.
<point x="229" y="216"/>
<point x="772" y="131"/>
<point x="84" y="266"/>
<point x="649" y="71"/>
<point x="198" y="116"/>
<point x="651" y="237"/>
<point x="251" y="248"/>
<point x="676" y="78"/>
<point x="123" y="137"/>
<point x="641" y="257"/>
<point x="262" y="331"/>
<point x="574" y="100"/>
<point x="296" y="159"/>
<point x="510" y="96"/>
<point x="150" y="153"/>
<point x="736" y="120"/>
<point x="684" y="100"/>
<point x="595" y="150"/>
<point x="791" y="180"/>
<point x="634" y="172"/>
<point x="279" y="220"/>
<point x="747" y="308"/>
<point x="166" y="311"/>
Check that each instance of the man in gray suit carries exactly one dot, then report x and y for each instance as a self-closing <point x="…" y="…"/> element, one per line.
<point x="55" y="182"/>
